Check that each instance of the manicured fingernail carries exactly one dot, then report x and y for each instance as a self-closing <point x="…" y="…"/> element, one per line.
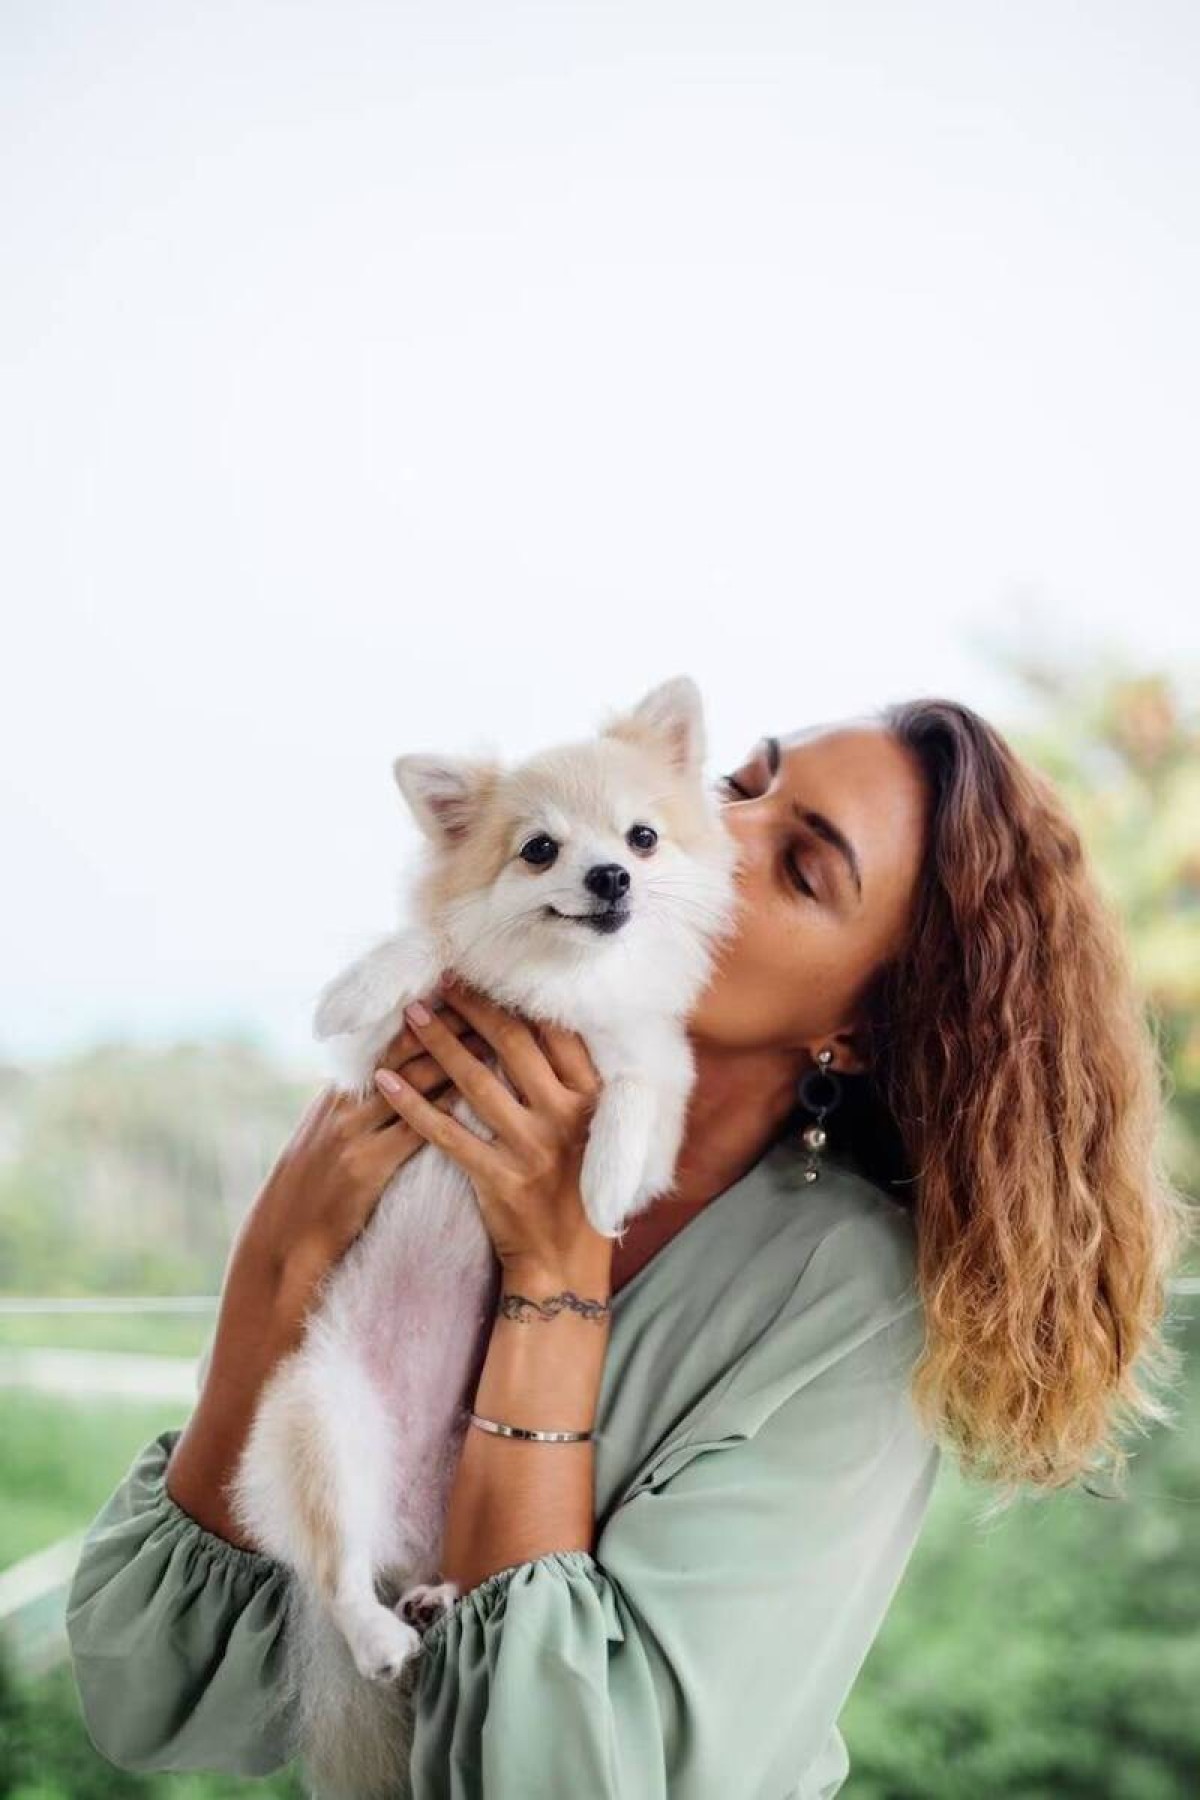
<point x="446" y="978"/>
<point x="418" y="1012"/>
<point x="391" y="1084"/>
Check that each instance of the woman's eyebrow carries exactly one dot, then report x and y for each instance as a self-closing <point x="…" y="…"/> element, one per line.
<point x="818" y="822"/>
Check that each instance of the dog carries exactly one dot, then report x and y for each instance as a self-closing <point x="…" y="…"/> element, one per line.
<point x="590" y="886"/>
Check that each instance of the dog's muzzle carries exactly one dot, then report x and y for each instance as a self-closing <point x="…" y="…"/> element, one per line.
<point x="605" y="920"/>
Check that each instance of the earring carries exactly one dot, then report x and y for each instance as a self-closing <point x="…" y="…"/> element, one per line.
<point x="819" y="1092"/>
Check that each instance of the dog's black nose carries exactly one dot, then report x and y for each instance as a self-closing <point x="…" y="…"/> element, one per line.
<point x="608" y="881"/>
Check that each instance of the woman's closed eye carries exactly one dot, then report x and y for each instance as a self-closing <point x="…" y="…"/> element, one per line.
<point x="796" y="875"/>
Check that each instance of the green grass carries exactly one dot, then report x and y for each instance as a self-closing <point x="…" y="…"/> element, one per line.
<point x="62" y="1458"/>
<point x="144" y="1334"/>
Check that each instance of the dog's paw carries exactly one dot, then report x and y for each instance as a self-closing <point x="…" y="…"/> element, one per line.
<point x="375" y="986"/>
<point x="606" y="1203"/>
<point x="342" y="1006"/>
<point x="419" y="1606"/>
<point x="381" y="1644"/>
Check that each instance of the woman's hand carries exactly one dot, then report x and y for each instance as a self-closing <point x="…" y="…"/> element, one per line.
<point x="328" y="1178"/>
<point x="527" y="1179"/>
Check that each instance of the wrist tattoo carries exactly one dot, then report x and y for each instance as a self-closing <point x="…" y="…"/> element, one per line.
<point x="522" y="1309"/>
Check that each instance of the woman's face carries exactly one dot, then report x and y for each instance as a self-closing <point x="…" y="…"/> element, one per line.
<point x="831" y="824"/>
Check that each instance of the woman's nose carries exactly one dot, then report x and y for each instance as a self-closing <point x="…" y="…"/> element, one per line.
<point x="747" y="825"/>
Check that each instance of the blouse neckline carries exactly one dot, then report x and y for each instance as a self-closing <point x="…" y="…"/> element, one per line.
<point x="718" y="1204"/>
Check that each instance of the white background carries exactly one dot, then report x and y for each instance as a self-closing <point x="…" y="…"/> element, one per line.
<point x="392" y="377"/>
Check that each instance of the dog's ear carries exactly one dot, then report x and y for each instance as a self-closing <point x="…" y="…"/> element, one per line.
<point x="446" y="794"/>
<point x="671" y="717"/>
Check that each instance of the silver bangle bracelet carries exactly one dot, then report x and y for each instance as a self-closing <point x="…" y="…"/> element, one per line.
<point x="540" y="1437"/>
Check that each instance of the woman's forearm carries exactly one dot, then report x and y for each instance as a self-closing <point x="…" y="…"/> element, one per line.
<point x="511" y="1500"/>
<point x="261" y="1321"/>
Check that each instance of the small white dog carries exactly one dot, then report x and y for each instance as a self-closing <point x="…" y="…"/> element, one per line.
<point x="590" y="886"/>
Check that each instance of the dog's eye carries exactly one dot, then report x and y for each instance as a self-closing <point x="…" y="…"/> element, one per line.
<point x="540" y="850"/>
<point x="642" y="837"/>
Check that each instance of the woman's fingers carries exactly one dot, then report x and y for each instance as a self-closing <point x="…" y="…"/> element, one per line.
<point x="431" y="1122"/>
<point x="570" y="1059"/>
<point x="406" y="1045"/>
<point x="399" y="1141"/>
<point x="456" y="1046"/>
<point x="482" y="1086"/>
<point x="425" y="1073"/>
<point x="511" y="1037"/>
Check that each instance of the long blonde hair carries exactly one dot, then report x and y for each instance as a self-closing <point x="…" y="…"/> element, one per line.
<point x="1023" y="1083"/>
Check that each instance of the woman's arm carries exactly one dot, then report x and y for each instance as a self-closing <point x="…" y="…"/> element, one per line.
<point x="260" y="1320"/>
<point x="176" y="1627"/>
<point x="317" y="1198"/>
<point x="512" y="1500"/>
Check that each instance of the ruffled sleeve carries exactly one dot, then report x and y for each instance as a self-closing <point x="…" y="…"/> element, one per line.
<point x="177" y="1636"/>
<point x="707" y="1647"/>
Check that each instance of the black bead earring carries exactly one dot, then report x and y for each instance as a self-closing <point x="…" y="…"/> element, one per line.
<point x="819" y="1092"/>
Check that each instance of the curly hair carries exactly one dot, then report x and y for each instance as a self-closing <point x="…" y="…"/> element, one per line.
<point x="1014" y="1101"/>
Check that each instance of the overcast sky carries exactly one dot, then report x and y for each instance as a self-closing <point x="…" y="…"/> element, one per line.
<point x="410" y="376"/>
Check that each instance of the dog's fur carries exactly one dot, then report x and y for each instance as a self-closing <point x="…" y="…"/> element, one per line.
<point x="346" y="1474"/>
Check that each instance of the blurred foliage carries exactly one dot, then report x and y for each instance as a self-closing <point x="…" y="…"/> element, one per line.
<point x="134" y="1333"/>
<point x="62" y="1458"/>
<point x="45" y="1754"/>
<point x="126" y="1170"/>
<point x="1053" y="1654"/>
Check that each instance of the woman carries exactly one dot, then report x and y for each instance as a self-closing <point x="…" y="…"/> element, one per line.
<point x="972" y="1255"/>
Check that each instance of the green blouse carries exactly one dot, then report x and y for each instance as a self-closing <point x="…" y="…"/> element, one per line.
<point x="761" y="1479"/>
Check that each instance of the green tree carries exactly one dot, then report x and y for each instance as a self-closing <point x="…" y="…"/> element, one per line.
<point x="128" y="1168"/>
